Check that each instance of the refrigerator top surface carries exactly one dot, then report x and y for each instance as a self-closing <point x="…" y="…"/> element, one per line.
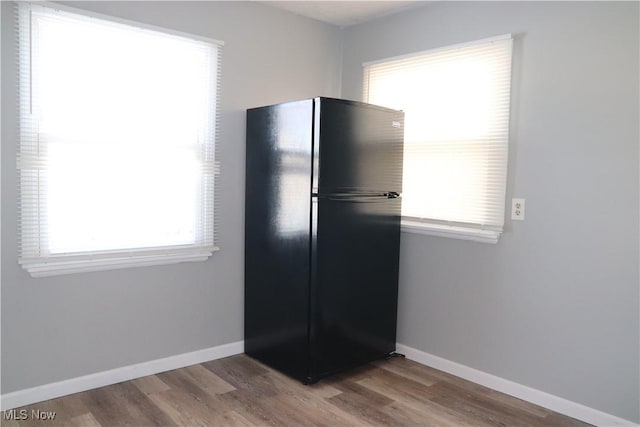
<point x="328" y="99"/>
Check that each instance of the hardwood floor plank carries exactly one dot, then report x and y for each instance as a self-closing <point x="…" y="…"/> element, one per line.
<point x="306" y="399"/>
<point x="430" y="376"/>
<point x="354" y="374"/>
<point x="478" y="397"/>
<point x="239" y="368"/>
<point x="362" y="402"/>
<point x="180" y="380"/>
<point x="323" y="390"/>
<point x="205" y="404"/>
<point x="243" y="373"/>
<point x="419" y="402"/>
<point x="151" y="384"/>
<point x="237" y="420"/>
<point x="403" y="367"/>
<point x="360" y="407"/>
<point x="109" y="409"/>
<point x="365" y="394"/>
<point x="288" y="411"/>
<point x="428" y="414"/>
<point x="255" y="410"/>
<point x="71" y="406"/>
<point x="180" y="408"/>
<point x="397" y="387"/>
<point x="559" y="420"/>
<point x="462" y="385"/>
<point x="413" y="396"/>
<point x="146" y="407"/>
<point x="85" y="420"/>
<point x="124" y="404"/>
<point x="474" y="412"/>
<point x="286" y="385"/>
<point x="512" y="402"/>
<point x="53" y="407"/>
<point x="207" y="380"/>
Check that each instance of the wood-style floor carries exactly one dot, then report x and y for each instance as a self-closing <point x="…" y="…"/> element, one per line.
<point x="239" y="391"/>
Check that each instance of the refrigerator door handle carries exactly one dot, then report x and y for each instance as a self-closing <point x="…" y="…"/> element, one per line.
<point x="358" y="197"/>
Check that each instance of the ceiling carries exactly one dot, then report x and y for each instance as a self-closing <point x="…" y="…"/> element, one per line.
<point x="344" y="13"/>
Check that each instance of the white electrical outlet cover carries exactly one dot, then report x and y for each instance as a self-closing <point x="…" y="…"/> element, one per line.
<point x="517" y="209"/>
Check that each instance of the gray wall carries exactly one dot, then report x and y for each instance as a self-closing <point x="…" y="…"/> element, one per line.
<point x="554" y="305"/>
<point x="63" y="327"/>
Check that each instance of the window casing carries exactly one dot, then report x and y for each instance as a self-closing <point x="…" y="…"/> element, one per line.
<point x="456" y="102"/>
<point x="117" y="156"/>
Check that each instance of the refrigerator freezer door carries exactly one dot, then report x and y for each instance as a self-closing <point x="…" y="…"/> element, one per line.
<point x="277" y="235"/>
<point x="360" y="148"/>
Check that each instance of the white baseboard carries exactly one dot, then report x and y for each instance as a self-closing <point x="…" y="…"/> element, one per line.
<point x="541" y="398"/>
<point x="100" y="379"/>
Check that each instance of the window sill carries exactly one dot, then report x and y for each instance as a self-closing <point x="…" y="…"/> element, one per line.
<point x="451" y="231"/>
<point x="59" y="267"/>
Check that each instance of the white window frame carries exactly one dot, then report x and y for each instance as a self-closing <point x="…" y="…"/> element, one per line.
<point x="40" y="263"/>
<point x="442" y="228"/>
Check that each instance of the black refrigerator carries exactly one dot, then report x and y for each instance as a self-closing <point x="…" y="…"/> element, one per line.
<point x="322" y="235"/>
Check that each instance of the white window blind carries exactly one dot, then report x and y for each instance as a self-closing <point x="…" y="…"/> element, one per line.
<point x="456" y="103"/>
<point x="117" y="145"/>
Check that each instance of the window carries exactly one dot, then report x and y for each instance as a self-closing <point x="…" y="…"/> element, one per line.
<point x="456" y="103"/>
<point x="117" y="143"/>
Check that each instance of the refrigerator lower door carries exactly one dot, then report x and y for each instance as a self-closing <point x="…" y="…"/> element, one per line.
<point x="354" y="282"/>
